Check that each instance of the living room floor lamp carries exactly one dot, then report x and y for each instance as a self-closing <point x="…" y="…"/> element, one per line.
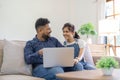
<point x="109" y="28"/>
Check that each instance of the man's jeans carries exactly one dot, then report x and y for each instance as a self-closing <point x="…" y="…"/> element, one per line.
<point x="47" y="73"/>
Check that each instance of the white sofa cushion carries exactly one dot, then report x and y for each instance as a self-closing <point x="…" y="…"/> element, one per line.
<point x="88" y="56"/>
<point x="13" y="59"/>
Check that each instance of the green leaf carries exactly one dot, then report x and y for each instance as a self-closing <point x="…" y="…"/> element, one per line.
<point x="87" y="29"/>
<point x="107" y="62"/>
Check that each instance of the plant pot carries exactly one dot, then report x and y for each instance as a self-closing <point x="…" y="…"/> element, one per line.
<point x="89" y="40"/>
<point x="107" y="71"/>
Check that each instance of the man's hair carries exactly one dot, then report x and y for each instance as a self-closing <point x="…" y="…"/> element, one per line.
<point x="41" y="22"/>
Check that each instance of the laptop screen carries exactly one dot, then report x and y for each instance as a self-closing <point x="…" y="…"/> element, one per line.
<point x="62" y="56"/>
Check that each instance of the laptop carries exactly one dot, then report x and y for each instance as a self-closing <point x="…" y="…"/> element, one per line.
<point x="62" y="56"/>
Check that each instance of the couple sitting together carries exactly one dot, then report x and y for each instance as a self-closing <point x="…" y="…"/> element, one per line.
<point x="33" y="50"/>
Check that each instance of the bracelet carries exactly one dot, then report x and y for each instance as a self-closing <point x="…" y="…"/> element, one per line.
<point x="77" y="58"/>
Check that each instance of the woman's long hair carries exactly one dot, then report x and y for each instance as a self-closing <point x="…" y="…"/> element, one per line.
<point x="71" y="28"/>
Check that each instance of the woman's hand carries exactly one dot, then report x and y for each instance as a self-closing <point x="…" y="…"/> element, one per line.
<point x="76" y="61"/>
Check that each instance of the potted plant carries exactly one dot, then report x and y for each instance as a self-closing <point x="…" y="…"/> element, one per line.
<point x="107" y="64"/>
<point x="87" y="29"/>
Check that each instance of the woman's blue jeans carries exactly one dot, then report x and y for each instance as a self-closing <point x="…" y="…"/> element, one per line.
<point x="79" y="67"/>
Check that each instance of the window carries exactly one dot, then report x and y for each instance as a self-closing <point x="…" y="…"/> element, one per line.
<point x="113" y="12"/>
<point x="112" y="9"/>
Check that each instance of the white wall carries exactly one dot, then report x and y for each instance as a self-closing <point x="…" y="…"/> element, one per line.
<point x="17" y="17"/>
<point x="83" y="11"/>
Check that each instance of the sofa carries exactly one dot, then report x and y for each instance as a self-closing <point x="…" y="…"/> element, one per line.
<point x="17" y="69"/>
<point x="12" y="64"/>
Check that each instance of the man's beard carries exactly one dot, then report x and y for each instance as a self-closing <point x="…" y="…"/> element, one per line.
<point x="45" y="36"/>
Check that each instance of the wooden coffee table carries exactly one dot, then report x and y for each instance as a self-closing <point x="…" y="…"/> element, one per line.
<point x="89" y="75"/>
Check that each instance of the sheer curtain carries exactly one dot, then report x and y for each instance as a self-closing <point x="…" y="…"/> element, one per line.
<point x="100" y="16"/>
<point x="101" y="9"/>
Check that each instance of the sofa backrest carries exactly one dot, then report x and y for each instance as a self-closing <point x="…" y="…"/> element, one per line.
<point x="98" y="49"/>
<point x="1" y="49"/>
<point x="95" y="58"/>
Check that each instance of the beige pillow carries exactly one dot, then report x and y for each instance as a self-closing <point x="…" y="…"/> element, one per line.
<point x="13" y="59"/>
<point x="87" y="55"/>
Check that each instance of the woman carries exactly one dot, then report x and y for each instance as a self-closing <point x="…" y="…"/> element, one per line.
<point x="73" y="40"/>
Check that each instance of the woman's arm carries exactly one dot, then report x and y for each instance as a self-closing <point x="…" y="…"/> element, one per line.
<point x="80" y="55"/>
<point x="81" y="44"/>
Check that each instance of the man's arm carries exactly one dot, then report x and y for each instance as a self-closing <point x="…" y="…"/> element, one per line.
<point x="31" y="56"/>
<point x="58" y="44"/>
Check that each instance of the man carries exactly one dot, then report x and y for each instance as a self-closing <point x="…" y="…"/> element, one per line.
<point x="33" y="50"/>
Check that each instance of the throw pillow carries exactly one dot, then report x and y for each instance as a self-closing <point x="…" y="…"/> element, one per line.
<point x="87" y="55"/>
<point x="13" y="59"/>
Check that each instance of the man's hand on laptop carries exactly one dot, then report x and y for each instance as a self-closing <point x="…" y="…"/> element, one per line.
<point x="40" y="52"/>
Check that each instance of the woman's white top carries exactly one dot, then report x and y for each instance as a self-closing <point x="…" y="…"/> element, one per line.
<point x="86" y="53"/>
<point x="80" y="42"/>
